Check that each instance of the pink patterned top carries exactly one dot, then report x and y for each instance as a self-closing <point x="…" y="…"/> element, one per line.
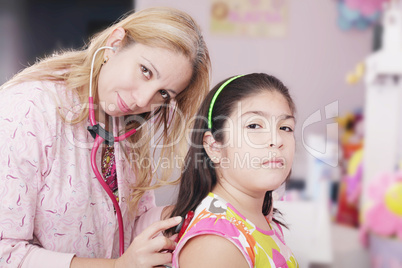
<point x="51" y="204"/>
<point x="261" y="249"/>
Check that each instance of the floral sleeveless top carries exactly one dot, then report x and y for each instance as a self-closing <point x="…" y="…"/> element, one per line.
<point x="262" y="249"/>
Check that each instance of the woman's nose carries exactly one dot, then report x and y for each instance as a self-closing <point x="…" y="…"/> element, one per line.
<point x="143" y="98"/>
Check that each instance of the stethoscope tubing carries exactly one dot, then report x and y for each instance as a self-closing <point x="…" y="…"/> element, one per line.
<point x="98" y="141"/>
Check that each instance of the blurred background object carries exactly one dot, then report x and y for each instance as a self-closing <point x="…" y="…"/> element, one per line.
<point x="359" y="14"/>
<point x="381" y="192"/>
<point x="349" y="131"/>
<point x="32" y="29"/>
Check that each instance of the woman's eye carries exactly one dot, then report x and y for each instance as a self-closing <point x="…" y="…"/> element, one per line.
<point x="165" y="95"/>
<point x="253" y="126"/>
<point x="146" y="72"/>
<point x="287" y="129"/>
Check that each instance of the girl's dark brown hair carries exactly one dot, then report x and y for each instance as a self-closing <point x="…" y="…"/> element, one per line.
<point x="199" y="176"/>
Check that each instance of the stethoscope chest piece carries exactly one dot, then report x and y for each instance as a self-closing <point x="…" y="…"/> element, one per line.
<point x="98" y="130"/>
<point x="181" y="228"/>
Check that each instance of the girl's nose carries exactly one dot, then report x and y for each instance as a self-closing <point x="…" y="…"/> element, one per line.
<point x="275" y="140"/>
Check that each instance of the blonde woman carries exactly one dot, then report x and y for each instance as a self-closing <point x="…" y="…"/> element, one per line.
<point x="150" y="72"/>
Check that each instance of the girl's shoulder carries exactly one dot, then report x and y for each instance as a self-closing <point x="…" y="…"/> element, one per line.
<point x="211" y="250"/>
<point x="212" y="225"/>
<point x="210" y="217"/>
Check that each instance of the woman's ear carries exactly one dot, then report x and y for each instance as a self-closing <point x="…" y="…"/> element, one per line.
<point x="212" y="147"/>
<point x="115" y="40"/>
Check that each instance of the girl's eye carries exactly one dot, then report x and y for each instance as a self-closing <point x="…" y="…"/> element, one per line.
<point x="253" y="126"/>
<point x="165" y="95"/>
<point x="147" y="73"/>
<point x="287" y="129"/>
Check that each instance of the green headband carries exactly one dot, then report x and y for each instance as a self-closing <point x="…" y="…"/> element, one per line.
<point x="211" y="106"/>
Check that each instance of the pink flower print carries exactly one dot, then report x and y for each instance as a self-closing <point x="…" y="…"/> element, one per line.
<point x="218" y="224"/>
<point x="279" y="260"/>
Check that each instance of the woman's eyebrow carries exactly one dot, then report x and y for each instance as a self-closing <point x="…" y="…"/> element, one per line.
<point x="172" y="91"/>
<point x="150" y="63"/>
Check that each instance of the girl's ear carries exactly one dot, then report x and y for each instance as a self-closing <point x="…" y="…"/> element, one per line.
<point x="212" y="147"/>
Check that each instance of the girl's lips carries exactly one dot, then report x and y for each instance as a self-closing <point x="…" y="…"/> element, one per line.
<point x="122" y="105"/>
<point x="278" y="163"/>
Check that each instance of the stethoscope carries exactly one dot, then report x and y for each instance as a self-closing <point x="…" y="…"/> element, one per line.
<point x="101" y="135"/>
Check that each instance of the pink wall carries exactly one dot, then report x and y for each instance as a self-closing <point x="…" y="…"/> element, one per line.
<point x="312" y="59"/>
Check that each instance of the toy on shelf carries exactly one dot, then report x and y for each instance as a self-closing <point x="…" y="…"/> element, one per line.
<point x="355" y="76"/>
<point x="359" y="14"/>
<point x="351" y="141"/>
<point x="383" y="215"/>
<point x="354" y="177"/>
<point x="381" y="226"/>
<point x="351" y="129"/>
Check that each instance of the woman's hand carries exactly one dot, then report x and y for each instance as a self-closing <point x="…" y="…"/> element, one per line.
<point x="148" y="249"/>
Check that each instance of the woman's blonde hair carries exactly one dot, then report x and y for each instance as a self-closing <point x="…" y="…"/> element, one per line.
<point x="156" y="27"/>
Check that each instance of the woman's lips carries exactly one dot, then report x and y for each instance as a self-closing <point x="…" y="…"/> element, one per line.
<point x="122" y="105"/>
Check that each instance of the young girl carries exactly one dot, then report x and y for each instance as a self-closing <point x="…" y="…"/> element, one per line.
<point x="242" y="149"/>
